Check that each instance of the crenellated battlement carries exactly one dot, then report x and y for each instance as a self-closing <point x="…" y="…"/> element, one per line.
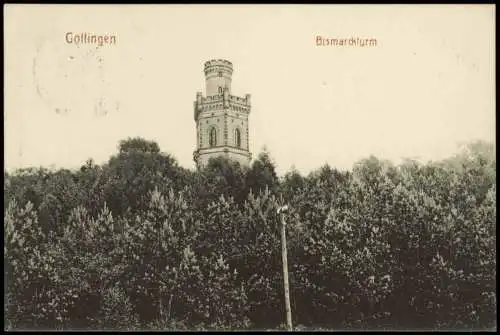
<point x="215" y="62"/>
<point x="242" y="101"/>
<point x="220" y="98"/>
<point x="218" y="65"/>
<point x="215" y="102"/>
<point x="212" y="98"/>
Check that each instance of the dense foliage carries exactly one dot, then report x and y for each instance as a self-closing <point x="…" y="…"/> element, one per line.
<point x="142" y="243"/>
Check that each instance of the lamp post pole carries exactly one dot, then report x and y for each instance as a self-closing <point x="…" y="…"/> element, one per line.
<point x="285" y="268"/>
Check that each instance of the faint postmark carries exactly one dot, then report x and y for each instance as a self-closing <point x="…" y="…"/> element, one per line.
<point x="70" y="79"/>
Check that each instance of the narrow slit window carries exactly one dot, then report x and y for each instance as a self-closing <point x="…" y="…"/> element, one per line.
<point x="213" y="137"/>
<point x="238" y="138"/>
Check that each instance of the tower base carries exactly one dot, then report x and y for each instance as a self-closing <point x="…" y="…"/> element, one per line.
<point x="202" y="156"/>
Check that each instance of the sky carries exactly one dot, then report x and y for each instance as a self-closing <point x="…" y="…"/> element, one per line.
<point x="427" y="85"/>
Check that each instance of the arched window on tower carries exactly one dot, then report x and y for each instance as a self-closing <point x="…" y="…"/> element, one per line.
<point x="237" y="138"/>
<point x="213" y="137"/>
<point x="221" y="91"/>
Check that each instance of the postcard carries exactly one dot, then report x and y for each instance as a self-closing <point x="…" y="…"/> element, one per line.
<point x="249" y="167"/>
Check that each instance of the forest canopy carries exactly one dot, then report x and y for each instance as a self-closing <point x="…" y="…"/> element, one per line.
<point x="142" y="243"/>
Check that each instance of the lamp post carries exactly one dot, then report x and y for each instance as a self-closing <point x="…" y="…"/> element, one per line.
<point x="281" y="213"/>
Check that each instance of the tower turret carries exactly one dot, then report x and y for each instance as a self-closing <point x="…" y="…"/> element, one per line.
<point x="218" y="75"/>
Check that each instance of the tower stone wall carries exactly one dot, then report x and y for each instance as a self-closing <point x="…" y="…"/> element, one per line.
<point x="221" y="118"/>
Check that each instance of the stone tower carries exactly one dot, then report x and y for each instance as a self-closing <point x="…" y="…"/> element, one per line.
<point x="221" y="118"/>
